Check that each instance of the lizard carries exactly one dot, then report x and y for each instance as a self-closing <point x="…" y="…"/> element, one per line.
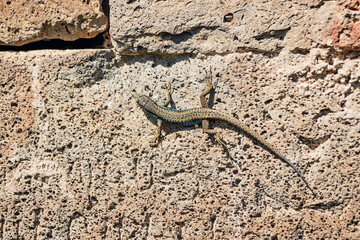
<point x="202" y="115"/>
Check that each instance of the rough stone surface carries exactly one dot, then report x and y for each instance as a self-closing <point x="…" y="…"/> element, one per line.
<point x="75" y="158"/>
<point x="223" y="26"/>
<point x="25" y="21"/>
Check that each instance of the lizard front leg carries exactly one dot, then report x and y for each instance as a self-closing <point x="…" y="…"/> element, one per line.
<point x="205" y="104"/>
<point x="157" y="133"/>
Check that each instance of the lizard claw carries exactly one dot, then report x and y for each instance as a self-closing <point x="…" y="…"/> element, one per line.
<point x="218" y="139"/>
<point x="208" y="81"/>
<point x="155" y="140"/>
<point x="213" y="85"/>
<point x="167" y="89"/>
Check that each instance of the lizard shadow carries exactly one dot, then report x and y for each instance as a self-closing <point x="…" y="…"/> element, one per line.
<point x="172" y="128"/>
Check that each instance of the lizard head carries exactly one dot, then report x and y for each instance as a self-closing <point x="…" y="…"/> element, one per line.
<point x="140" y="99"/>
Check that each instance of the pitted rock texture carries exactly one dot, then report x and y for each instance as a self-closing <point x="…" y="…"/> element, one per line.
<point x="75" y="158"/>
<point x="76" y="162"/>
<point x="346" y="29"/>
<point x="227" y="26"/>
<point x="24" y="21"/>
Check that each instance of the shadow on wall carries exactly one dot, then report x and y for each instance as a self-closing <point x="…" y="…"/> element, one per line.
<point x="98" y="42"/>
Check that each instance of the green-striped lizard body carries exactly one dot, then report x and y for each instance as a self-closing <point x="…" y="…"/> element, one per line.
<point x="195" y="116"/>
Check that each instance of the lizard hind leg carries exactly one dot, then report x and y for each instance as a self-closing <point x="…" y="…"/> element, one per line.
<point x="205" y="104"/>
<point x="217" y="136"/>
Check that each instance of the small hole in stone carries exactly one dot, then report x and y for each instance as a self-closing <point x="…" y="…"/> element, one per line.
<point x="228" y="17"/>
<point x="268" y="101"/>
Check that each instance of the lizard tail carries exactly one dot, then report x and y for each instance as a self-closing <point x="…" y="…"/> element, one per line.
<point x="300" y="175"/>
<point x="257" y="137"/>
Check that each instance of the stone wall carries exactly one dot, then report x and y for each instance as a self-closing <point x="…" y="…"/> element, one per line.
<point x="75" y="158"/>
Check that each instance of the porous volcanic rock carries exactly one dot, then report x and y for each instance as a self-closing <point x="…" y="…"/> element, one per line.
<point x="25" y="21"/>
<point x="75" y="157"/>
